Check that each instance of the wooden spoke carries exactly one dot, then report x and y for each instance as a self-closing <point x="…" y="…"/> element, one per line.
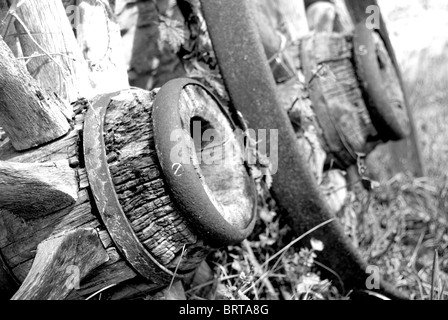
<point x="28" y="114"/>
<point x="344" y="22"/>
<point x="57" y="63"/>
<point x="61" y="263"/>
<point x="321" y="16"/>
<point x="35" y="190"/>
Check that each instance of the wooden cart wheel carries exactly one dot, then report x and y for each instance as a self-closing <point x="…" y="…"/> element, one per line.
<point x="158" y="190"/>
<point x="158" y="218"/>
<point x="252" y="90"/>
<point x="216" y="195"/>
<point x="382" y="88"/>
<point x="405" y="155"/>
<point x="346" y="127"/>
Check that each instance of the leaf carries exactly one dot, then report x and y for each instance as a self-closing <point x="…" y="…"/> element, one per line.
<point x="172" y="33"/>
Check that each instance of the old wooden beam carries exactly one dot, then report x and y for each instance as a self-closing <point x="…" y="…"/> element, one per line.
<point x="34" y="190"/>
<point x="28" y="114"/>
<point x="19" y="238"/>
<point x="61" y="262"/>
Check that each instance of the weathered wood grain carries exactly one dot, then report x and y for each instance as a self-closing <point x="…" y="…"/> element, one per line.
<point x="61" y="262"/>
<point x="35" y="190"/>
<point x="141" y="190"/>
<point x="337" y="97"/>
<point x="29" y="115"/>
<point x="59" y="65"/>
<point x="19" y="238"/>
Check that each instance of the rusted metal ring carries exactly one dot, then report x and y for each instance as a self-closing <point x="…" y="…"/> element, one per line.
<point x="106" y="198"/>
<point x="388" y="114"/>
<point x="188" y="191"/>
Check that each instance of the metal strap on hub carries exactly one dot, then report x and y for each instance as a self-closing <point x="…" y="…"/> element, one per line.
<point x="106" y="198"/>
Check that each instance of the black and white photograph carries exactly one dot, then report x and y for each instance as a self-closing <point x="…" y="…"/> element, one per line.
<point x="224" y="154"/>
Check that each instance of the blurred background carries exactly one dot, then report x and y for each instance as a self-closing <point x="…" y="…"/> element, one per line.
<point x="419" y="34"/>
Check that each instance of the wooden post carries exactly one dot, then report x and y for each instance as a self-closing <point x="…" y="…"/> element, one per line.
<point x="57" y="62"/>
<point x="28" y="114"/>
<point x="34" y="190"/>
